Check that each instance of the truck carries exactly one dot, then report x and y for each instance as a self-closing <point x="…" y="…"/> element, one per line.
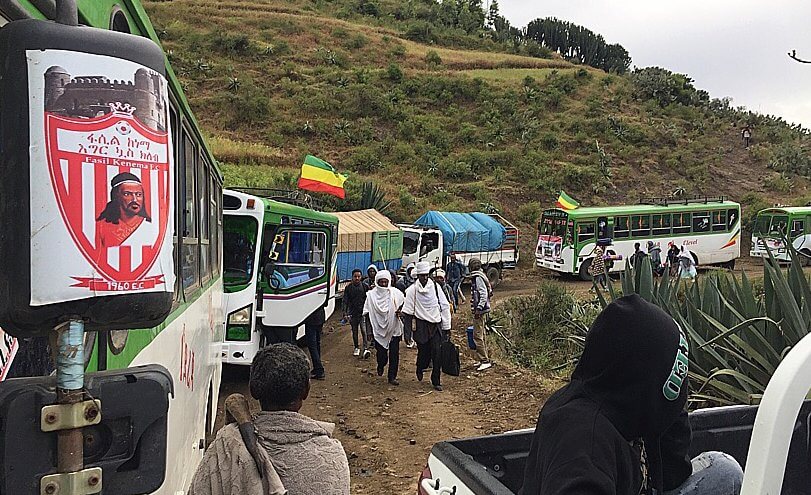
<point x="366" y="237"/>
<point x="771" y="440"/>
<point x="436" y="235"/>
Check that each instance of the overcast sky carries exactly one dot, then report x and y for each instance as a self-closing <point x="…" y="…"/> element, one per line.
<point x="730" y="48"/>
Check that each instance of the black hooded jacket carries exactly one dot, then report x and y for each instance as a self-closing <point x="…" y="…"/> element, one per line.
<point x="629" y="389"/>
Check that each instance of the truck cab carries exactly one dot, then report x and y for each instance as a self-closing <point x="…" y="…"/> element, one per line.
<point x="422" y="244"/>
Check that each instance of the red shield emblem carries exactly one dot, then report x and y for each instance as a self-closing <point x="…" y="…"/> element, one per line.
<point x="111" y="180"/>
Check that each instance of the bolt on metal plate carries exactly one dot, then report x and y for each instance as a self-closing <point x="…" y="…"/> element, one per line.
<point x="69" y="416"/>
<point x="85" y="482"/>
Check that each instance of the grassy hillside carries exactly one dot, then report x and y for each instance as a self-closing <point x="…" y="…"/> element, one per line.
<point x="441" y="127"/>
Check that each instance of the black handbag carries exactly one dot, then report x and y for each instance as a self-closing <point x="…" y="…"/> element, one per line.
<point x="450" y="358"/>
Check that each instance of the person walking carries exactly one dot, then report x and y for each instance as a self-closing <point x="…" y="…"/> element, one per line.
<point x="403" y="283"/>
<point x="480" y="294"/>
<point x="597" y="267"/>
<point x="439" y="279"/>
<point x="655" y="257"/>
<point x="456" y="272"/>
<point x="369" y="280"/>
<point x="382" y="308"/>
<point x="306" y="458"/>
<point x="313" y="327"/>
<point x="746" y="136"/>
<point x="430" y="310"/>
<point x="354" y="299"/>
<point x="673" y="259"/>
<point x="687" y="264"/>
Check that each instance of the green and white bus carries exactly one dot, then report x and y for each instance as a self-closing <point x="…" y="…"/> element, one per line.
<point x="279" y="265"/>
<point x="709" y="227"/>
<point x="188" y="342"/>
<point x="773" y="224"/>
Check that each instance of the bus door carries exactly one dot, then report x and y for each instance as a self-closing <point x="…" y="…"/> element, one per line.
<point x="797" y="233"/>
<point x="295" y="278"/>
<point x="240" y="267"/>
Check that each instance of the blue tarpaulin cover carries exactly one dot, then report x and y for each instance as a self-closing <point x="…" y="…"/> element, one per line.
<point x="465" y="232"/>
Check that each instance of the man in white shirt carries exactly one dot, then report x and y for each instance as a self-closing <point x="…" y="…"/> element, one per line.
<point x="431" y="311"/>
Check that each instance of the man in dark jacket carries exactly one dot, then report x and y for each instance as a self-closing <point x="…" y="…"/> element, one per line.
<point x="354" y="299"/>
<point x="619" y="427"/>
<point x="456" y="272"/>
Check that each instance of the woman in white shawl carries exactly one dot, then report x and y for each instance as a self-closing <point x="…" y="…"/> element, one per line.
<point x="688" y="267"/>
<point x="382" y="307"/>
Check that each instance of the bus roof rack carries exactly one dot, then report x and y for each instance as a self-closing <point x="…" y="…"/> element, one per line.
<point x="290" y="196"/>
<point x="685" y="200"/>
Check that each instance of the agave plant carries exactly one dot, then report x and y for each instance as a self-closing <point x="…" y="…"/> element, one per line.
<point x="738" y="335"/>
<point x="372" y="196"/>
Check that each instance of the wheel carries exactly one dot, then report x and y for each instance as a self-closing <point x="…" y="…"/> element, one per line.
<point x="493" y="275"/>
<point x="729" y="265"/>
<point x="584" y="270"/>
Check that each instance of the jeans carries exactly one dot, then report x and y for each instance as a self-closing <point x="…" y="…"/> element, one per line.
<point x="455" y="287"/>
<point x="390" y="356"/>
<point x="714" y="473"/>
<point x="358" y="324"/>
<point x="312" y="334"/>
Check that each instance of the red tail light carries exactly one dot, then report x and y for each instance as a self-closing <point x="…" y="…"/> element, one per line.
<point x="426" y="474"/>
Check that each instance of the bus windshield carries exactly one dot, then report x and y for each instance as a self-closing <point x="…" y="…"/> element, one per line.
<point x="410" y="242"/>
<point x="553" y="223"/>
<point x="771" y="225"/>
<point x="239" y="246"/>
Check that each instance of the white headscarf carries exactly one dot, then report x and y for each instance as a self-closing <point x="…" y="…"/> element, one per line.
<point x="381" y="305"/>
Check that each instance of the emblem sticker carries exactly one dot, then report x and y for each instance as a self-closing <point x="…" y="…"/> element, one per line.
<point x="101" y="178"/>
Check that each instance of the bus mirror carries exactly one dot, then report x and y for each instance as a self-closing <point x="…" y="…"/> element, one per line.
<point x="86" y="177"/>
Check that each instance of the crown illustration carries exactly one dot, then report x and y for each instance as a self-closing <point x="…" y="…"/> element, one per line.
<point x="118" y="107"/>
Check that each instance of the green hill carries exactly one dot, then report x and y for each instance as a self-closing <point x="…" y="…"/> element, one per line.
<point x="460" y="123"/>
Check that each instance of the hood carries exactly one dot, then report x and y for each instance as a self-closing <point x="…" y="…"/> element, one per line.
<point x="634" y="365"/>
<point x="285" y="427"/>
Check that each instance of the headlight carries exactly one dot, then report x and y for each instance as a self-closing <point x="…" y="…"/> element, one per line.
<point x="240" y="317"/>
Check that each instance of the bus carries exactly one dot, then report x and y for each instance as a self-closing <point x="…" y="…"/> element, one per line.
<point x="279" y="266"/>
<point x="774" y="224"/>
<point x="187" y="343"/>
<point x="709" y="227"/>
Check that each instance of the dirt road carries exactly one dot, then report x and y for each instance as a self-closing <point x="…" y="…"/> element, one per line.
<point x="388" y="431"/>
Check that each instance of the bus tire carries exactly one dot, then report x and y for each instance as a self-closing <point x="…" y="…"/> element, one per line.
<point x="729" y="265"/>
<point x="584" y="270"/>
<point x="493" y="275"/>
<point x="805" y="257"/>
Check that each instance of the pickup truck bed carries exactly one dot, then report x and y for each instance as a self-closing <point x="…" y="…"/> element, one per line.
<point x="494" y="465"/>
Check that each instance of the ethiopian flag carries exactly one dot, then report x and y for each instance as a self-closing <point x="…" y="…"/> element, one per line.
<point x="319" y="176"/>
<point x="566" y="202"/>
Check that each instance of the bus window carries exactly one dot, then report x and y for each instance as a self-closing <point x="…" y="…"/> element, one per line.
<point x="681" y="223"/>
<point x="701" y="221"/>
<point x="621" y="227"/>
<point x="778" y="226"/>
<point x="585" y="232"/>
<point x="299" y="258"/>
<point x="603" y="232"/>
<point x="239" y="239"/>
<point x="410" y="242"/>
<point x="189" y="253"/>
<point x="661" y="224"/>
<point x="762" y="224"/>
<point x="640" y="225"/>
<point x="719" y="221"/>
<point x="732" y="218"/>
<point x="203" y="193"/>
<point x="797" y="229"/>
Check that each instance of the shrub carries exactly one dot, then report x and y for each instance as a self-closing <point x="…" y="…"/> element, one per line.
<point x="529" y="212"/>
<point x="778" y="183"/>
<point x="230" y="43"/>
<point x="537" y="326"/>
<point x="792" y="159"/>
<point x="433" y="58"/>
<point x="394" y="73"/>
<point x="421" y="32"/>
<point x="667" y="87"/>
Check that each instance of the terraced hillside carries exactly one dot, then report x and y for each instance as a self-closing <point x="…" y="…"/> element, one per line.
<point x="443" y="127"/>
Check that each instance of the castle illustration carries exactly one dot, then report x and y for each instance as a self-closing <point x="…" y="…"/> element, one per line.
<point x="91" y="96"/>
